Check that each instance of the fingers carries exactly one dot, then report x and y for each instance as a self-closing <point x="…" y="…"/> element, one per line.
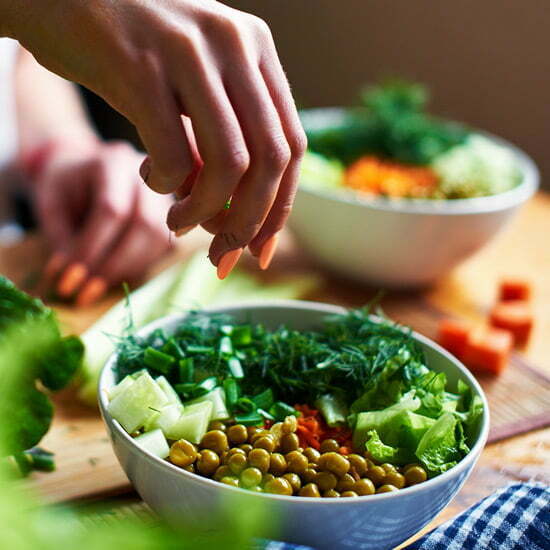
<point x="157" y="117"/>
<point x="280" y="93"/>
<point x="138" y="248"/>
<point x="269" y="156"/>
<point x="110" y="209"/>
<point x="222" y="149"/>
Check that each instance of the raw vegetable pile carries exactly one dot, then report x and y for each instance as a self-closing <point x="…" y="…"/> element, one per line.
<point x="50" y="363"/>
<point x="391" y="147"/>
<point x="354" y="399"/>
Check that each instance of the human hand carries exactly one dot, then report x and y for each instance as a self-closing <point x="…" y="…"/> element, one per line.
<point x="103" y="224"/>
<point x="240" y="137"/>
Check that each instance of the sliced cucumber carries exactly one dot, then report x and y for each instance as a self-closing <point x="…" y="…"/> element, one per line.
<point x="193" y="423"/>
<point x="170" y="392"/>
<point x="165" y="419"/>
<point x="135" y="405"/>
<point x="217" y="398"/>
<point x="154" y="442"/>
<point x="333" y="409"/>
<point x="120" y="387"/>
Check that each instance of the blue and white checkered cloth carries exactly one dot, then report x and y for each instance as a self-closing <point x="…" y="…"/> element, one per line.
<point x="516" y="517"/>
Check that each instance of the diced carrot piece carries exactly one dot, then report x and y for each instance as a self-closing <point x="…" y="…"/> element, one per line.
<point x="487" y="351"/>
<point x="514" y="289"/>
<point x="514" y="316"/>
<point x="453" y="335"/>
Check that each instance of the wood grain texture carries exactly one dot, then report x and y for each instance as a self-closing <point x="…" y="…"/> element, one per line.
<point x="87" y="468"/>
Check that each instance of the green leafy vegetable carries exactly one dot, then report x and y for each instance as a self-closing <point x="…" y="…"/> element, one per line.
<point x="393" y="123"/>
<point x="52" y="361"/>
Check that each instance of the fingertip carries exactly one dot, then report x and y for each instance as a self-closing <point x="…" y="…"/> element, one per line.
<point x="227" y="262"/>
<point x="92" y="291"/>
<point x="268" y="251"/>
<point x="72" y="279"/>
<point x="54" y="265"/>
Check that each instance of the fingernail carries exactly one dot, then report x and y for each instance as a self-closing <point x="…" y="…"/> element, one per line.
<point x="228" y="262"/>
<point x="55" y="265"/>
<point x="183" y="230"/>
<point x="93" y="290"/>
<point x="145" y="169"/>
<point x="268" y="251"/>
<point x="71" y="279"/>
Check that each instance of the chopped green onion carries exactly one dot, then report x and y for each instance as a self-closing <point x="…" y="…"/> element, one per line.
<point x="226" y="347"/>
<point x="192" y="348"/>
<point x="266" y="415"/>
<point x="246" y="405"/>
<point x="185" y="390"/>
<point x="231" y="390"/>
<point x="281" y="410"/>
<point x="226" y="329"/>
<point x="241" y="336"/>
<point x="41" y="460"/>
<point x="187" y="370"/>
<point x="172" y="348"/>
<point x="207" y="385"/>
<point x="235" y="367"/>
<point x="251" y="419"/>
<point x="264" y="400"/>
<point x="158" y="360"/>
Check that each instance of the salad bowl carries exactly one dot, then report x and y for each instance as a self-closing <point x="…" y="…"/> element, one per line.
<point x="372" y="522"/>
<point x="399" y="243"/>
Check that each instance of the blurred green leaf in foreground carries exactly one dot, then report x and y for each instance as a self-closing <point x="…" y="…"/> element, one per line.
<point x="28" y="524"/>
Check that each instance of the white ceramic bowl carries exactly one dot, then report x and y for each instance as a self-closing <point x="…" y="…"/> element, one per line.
<point x="399" y="243"/>
<point x="373" y="522"/>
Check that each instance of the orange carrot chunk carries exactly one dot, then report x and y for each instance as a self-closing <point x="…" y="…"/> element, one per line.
<point x="453" y="335"/>
<point x="488" y="351"/>
<point x="514" y="289"/>
<point x="514" y="316"/>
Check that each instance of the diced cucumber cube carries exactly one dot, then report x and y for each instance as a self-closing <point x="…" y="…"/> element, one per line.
<point x="217" y="398"/>
<point x="120" y="387"/>
<point x="193" y="423"/>
<point x="138" y="373"/>
<point x="165" y="419"/>
<point x="135" y="405"/>
<point x="167" y="388"/>
<point x="154" y="442"/>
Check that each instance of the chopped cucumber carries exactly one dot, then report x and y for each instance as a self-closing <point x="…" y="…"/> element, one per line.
<point x="146" y="303"/>
<point x="170" y="392"/>
<point x="120" y="387"/>
<point x="193" y="423"/>
<point x="135" y="405"/>
<point x="217" y="398"/>
<point x="333" y="409"/>
<point x="165" y="418"/>
<point x="154" y="442"/>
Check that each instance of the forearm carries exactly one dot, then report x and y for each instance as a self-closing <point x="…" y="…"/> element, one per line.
<point x="48" y="107"/>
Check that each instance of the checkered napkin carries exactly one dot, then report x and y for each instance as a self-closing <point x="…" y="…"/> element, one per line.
<point x="514" y="518"/>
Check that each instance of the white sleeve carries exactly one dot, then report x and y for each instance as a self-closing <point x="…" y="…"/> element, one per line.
<point x="8" y="126"/>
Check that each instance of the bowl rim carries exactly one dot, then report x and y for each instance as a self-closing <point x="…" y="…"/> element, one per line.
<point x="447" y="207"/>
<point x="468" y="461"/>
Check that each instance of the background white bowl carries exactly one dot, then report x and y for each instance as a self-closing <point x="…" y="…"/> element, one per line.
<point x="399" y="243"/>
<point x="373" y="522"/>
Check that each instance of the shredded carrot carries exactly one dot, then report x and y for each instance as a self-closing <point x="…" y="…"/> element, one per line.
<point x="312" y="430"/>
<point x="381" y="177"/>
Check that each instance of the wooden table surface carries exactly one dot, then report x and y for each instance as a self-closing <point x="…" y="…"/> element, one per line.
<point x="87" y="467"/>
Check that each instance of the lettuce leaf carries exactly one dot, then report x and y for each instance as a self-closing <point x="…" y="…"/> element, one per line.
<point x="443" y="445"/>
<point x="386" y="453"/>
